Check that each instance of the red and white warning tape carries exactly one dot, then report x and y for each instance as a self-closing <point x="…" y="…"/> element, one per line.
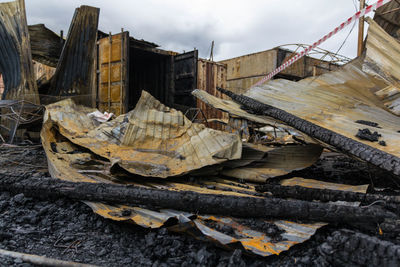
<point x="323" y="39"/>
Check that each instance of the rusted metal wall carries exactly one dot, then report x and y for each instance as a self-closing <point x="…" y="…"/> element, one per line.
<point x="15" y="53"/>
<point x="209" y="76"/>
<point x="113" y="70"/>
<point x="244" y="71"/>
<point x="75" y="69"/>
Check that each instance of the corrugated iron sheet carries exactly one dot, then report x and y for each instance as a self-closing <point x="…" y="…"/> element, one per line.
<point x="151" y="140"/>
<point x="338" y="101"/>
<point x="281" y="132"/>
<point x="278" y="161"/>
<point x="384" y="63"/>
<point x="68" y="162"/>
<point x="75" y="69"/>
<point x="15" y="53"/>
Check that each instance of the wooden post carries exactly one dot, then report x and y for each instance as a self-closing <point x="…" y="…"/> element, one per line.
<point x="361" y="31"/>
<point x="109" y="73"/>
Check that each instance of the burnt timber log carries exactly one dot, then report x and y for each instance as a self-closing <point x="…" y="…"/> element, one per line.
<point x="46" y="46"/>
<point x="223" y="205"/>
<point x="326" y="195"/>
<point x="349" y="248"/>
<point x="341" y="143"/>
<point x="15" y="54"/>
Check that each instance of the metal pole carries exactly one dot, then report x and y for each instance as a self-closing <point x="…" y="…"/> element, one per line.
<point x="361" y="30"/>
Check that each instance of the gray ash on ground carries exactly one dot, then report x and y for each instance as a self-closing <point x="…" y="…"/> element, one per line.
<point x="69" y="230"/>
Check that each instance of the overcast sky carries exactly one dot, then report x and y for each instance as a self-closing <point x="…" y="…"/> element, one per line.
<point x="237" y="27"/>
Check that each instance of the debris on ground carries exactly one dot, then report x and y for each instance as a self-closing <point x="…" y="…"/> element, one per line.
<point x="288" y="173"/>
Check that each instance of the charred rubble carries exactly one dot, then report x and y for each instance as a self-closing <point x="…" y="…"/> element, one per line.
<point x="95" y="170"/>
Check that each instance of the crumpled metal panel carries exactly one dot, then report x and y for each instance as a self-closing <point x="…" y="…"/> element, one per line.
<point x="383" y="60"/>
<point x="335" y="101"/>
<point x="152" y="140"/>
<point x="68" y="162"/>
<point x="72" y="162"/>
<point x="235" y="110"/>
<point x="277" y="161"/>
<point x="15" y="53"/>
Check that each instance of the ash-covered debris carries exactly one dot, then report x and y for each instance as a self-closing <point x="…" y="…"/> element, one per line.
<point x="140" y="180"/>
<point x="366" y="134"/>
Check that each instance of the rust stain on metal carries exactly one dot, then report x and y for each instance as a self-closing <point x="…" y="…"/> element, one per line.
<point x="151" y="140"/>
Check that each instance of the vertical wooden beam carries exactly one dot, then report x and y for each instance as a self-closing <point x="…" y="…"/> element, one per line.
<point x="361" y="31"/>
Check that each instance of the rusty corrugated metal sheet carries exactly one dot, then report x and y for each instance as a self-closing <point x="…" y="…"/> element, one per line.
<point x="15" y="53"/>
<point x="384" y="63"/>
<point x="281" y="131"/>
<point x="68" y="162"/>
<point x="46" y="46"/>
<point x="75" y="69"/>
<point x="338" y="104"/>
<point x="151" y="140"/>
<point x="209" y="76"/>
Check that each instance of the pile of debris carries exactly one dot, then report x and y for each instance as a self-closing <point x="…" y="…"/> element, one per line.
<point x="253" y="185"/>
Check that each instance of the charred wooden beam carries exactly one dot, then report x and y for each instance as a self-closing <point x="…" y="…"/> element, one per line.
<point x="46" y="46"/>
<point x="224" y="205"/>
<point x="349" y="248"/>
<point x="325" y="195"/>
<point x="342" y="143"/>
<point x="15" y="53"/>
<point x="74" y="72"/>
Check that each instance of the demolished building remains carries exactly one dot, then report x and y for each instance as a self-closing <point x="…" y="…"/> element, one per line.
<point x="162" y="139"/>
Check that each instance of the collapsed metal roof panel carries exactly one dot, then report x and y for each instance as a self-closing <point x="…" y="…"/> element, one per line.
<point x="74" y="72"/>
<point x="151" y="140"/>
<point x="338" y="108"/>
<point x="384" y="63"/>
<point x="68" y="161"/>
<point x="15" y="53"/>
